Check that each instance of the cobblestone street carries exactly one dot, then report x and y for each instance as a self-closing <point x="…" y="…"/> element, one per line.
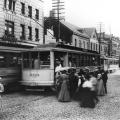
<point x="46" y="107"/>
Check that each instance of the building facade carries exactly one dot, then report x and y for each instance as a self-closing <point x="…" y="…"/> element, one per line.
<point x="68" y="34"/>
<point x="21" y="21"/>
<point x="94" y="42"/>
<point x="115" y="47"/>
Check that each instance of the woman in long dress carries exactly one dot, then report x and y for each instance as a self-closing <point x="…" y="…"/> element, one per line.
<point x="64" y="93"/>
<point x="100" y="86"/>
<point x="73" y="80"/>
<point x="80" y="83"/>
<point x="58" y="82"/>
<point x="88" y="98"/>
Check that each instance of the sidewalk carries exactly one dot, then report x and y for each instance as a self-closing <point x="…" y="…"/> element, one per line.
<point x="116" y="73"/>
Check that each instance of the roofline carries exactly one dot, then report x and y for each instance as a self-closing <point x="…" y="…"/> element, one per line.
<point x="80" y="34"/>
<point x="87" y="37"/>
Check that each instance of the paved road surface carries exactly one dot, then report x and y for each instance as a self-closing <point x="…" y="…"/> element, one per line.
<point x="40" y="106"/>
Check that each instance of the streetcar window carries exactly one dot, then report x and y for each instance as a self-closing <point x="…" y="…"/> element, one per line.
<point x="9" y="60"/>
<point x="36" y="60"/>
<point x="2" y="63"/>
<point x="26" y="60"/>
<point x="45" y="59"/>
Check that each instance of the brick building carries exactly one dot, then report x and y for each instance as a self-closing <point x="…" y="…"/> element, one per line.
<point x="21" y="21"/>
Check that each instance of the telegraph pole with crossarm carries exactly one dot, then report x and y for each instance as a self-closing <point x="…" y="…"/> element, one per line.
<point x="57" y="8"/>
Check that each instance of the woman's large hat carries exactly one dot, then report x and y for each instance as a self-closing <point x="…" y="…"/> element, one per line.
<point x="62" y="69"/>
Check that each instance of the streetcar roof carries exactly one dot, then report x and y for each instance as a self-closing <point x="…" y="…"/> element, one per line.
<point x="58" y="50"/>
<point x="11" y="49"/>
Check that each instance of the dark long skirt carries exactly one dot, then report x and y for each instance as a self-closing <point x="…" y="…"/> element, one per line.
<point x="87" y="98"/>
<point x="78" y="93"/>
<point x="64" y="94"/>
<point x="100" y="88"/>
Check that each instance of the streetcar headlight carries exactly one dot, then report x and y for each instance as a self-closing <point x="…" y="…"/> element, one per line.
<point x="0" y="78"/>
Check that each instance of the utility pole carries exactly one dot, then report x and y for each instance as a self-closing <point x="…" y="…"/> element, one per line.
<point x="110" y="43"/>
<point x="100" y="45"/>
<point x="100" y="40"/>
<point x="57" y="6"/>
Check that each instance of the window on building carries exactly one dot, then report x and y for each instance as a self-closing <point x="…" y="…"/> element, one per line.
<point x="101" y="48"/>
<point x="80" y="45"/>
<point x="9" y="4"/>
<point x="75" y="43"/>
<point x="5" y="3"/>
<point x="94" y="46"/>
<point x="94" y="36"/>
<point x="30" y="11"/>
<point x="87" y="45"/>
<point x="13" y="5"/>
<point x="91" y="45"/>
<point x="9" y="27"/>
<point x="30" y="33"/>
<point x="37" y="14"/>
<point x="22" y="37"/>
<point x="23" y="8"/>
<point x="83" y="44"/>
<point x="36" y="34"/>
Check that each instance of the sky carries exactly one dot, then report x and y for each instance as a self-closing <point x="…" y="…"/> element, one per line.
<point x="91" y="13"/>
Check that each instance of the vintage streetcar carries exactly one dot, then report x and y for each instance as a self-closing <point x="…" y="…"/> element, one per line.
<point x="39" y="63"/>
<point x="10" y="67"/>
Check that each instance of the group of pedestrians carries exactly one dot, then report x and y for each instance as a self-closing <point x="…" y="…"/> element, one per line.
<point x="84" y="86"/>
